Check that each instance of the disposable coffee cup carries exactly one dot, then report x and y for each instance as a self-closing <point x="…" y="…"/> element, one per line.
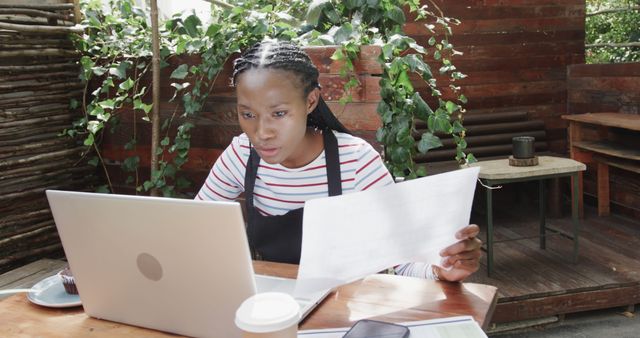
<point x="268" y="315"/>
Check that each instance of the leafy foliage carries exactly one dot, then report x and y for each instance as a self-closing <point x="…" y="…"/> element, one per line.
<point x="617" y="27"/>
<point x="353" y="23"/>
<point x="116" y="49"/>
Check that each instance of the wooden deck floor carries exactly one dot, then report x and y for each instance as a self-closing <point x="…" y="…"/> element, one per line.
<point x="535" y="283"/>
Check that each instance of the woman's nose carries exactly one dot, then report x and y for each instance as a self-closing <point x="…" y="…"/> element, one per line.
<point x="265" y="130"/>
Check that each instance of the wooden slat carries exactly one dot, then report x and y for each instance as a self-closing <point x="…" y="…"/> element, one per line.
<point x="610" y="149"/>
<point x="618" y="120"/>
<point x="566" y="303"/>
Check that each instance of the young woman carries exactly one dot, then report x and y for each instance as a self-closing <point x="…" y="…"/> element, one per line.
<point x="294" y="149"/>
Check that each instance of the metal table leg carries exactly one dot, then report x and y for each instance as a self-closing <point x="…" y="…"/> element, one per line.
<point x="489" y="229"/>
<point x="575" y="214"/>
<point x="543" y="216"/>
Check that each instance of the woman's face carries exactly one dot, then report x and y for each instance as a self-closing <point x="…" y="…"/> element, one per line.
<point x="272" y="111"/>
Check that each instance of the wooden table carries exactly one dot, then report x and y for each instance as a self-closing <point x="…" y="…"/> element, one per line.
<point x="383" y="297"/>
<point x="593" y="138"/>
<point x="496" y="172"/>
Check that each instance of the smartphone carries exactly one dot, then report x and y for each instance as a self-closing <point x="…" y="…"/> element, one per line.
<point x="367" y="328"/>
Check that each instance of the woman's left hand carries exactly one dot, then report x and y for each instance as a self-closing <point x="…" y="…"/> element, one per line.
<point x="463" y="257"/>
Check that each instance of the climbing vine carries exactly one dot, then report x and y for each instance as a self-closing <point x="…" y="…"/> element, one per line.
<point x="116" y="49"/>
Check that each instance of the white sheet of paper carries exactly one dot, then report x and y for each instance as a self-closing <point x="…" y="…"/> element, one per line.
<point x="350" y="236"/>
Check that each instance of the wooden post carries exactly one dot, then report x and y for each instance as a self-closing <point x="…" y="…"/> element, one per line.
<point x="155" y="114"/>
<point x="575" y="135"/>
<point x="603" y="189"/>
<point x="77" y="17"/>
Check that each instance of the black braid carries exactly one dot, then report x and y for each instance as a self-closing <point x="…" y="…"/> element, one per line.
<point x="284" y="55"/>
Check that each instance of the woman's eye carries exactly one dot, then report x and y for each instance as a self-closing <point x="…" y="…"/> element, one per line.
<point x="280" y="113"/>
<point x="247" y="115"/>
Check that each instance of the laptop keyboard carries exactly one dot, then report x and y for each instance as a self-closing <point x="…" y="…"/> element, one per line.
<point x="285" y="285"/>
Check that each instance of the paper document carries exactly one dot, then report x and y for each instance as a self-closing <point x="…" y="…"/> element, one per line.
<point x="462" y="326"/>
<point x="351" y="236"/>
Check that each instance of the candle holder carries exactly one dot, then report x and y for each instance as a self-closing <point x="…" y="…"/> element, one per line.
<point x="523" y="151"/>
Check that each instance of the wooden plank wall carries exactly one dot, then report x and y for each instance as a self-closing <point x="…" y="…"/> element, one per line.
<point x="609" y="88"/>
<point x="515" y="53"/>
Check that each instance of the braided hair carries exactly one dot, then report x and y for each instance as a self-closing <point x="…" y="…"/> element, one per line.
<point x="284" y="55"/>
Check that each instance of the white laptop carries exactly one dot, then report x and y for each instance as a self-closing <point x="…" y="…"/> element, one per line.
<point x="174" y="265"/>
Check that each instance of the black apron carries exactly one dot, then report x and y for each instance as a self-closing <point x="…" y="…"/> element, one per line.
<point x="279" y="238"/>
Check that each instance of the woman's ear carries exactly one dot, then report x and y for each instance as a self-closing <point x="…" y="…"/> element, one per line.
<point x="312" y="100"/>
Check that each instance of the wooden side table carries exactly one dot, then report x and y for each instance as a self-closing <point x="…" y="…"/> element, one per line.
<point x="496" y="172"/>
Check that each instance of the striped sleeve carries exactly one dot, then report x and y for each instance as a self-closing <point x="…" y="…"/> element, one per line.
<point x="415" y="269"/>
<point x="225" y="181"/>
<point x="371" y="172"/>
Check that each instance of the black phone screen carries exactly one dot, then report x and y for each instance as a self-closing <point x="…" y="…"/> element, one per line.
<point x="367" y="328"/>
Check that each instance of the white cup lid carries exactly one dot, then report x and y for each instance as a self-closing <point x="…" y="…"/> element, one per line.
<point x="267" y="312"/>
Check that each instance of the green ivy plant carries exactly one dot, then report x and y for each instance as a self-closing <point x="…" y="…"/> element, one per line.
<point x="116" y="48"/>
<point x="353" y="23"/>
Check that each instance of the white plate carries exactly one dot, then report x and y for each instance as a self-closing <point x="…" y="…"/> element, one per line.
<point x="50" y="292"/>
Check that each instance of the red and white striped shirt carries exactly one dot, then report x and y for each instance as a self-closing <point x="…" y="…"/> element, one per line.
<point x="279" y="189"/>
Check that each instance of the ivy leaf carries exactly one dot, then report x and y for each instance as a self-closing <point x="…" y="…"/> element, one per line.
<point x="131" y="163"/>
<point x="343" y="33"/>
<point x="138" y="104"/>
<point x="428" y="141"/>
<point x="127" y="84"/>
<point x="93" y="127"/>
<point x="441" y="122"/>
<point x="99" y="70"/>
<point x="422" y="108"/>
<point x="121" y="70"/>
<point x="107" y="104"/>
<point x="451" y="107"/>
<point x="399" y="154"/>
<point x="404" y="81"/>
<point x="457" y="127"/>
<point x="352" y="4"/>
<point x="396" y="14"/>
<point x="147" y="185"/>
<point x="471" y="158"/>
<point x="385" y="112"/>
<point x="89" y="140"/>
<point x="94" y="161"/>
<point x="165" y="141"/>
<point x="182" y="183"/>
<point x="181" y="72"/>
<point x="331" y="14"/>
<point x="191" y="25"/>
<point x="212" y="30"/>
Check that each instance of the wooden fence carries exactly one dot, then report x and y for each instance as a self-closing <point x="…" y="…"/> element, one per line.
<point x="516" y="53"/>
<point x="38" y="78"/>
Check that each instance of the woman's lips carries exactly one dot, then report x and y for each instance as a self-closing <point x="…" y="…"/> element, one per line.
<point x="267" y="152"/>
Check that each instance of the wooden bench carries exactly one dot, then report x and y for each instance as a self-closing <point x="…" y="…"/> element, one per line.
<point x="595" y="138"/>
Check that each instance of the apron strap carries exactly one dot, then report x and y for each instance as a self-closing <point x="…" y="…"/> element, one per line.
<point x="332" y="158"/>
